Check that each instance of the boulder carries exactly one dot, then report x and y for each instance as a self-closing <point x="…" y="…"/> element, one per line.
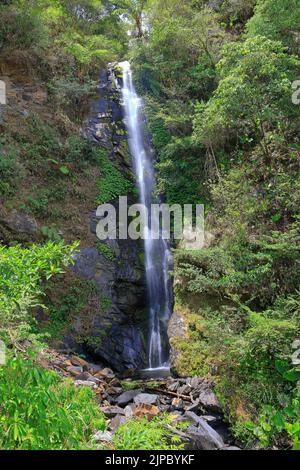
<point x="105" y="373"/>
<point x="112" y="411"/>
<point x="209" y="401"/>
<point x="146" y="399"/>
<point x="20" y="222"/>
<point x="129" y="411"/>
<point x="84" y="383"/>
<point x="86" y="376"/>
<point x="127" y="397"/>
<point x="193" y="418"/>
<point x="203" y="437"/>
<point x="94" y="379"/>
<point x="146" y="411"/>
<point x="116" y="422"/>
<point x="177" y="404"/>
<point x="79" y="362"/>
<point x="101" y="436"/>
<point x="75" y="370"/>
<point x="231" y="448"/>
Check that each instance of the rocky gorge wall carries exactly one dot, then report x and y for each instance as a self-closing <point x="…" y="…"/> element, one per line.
<point x="116" y="330"/>
<point x="44" y="204"/>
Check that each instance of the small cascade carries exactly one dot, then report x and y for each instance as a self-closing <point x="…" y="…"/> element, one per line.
<point x="157" y="253"/>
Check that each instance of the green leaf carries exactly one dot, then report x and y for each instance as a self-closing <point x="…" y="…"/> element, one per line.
<point x="64" y="170"/>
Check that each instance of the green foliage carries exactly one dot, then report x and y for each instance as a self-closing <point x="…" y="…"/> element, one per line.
<point x="259" y="270"/>
<point x="141" y="434"/>
<point x="38" y="412"/>
<point x="235" y="14"/>
<point x="80" y="151"/>
<point x="64" y="39"/>
<point x="112" y="183"/>
<point x="70" y="302"/>
<point x="22" y="29"/>
<point x="274" y="422"/>
<point x="71" y="94"/>
<point x="21" y="273"/>
<point x="8" y="169"/>
<point x="107" y="251"/>
<point x="51" y="233"/>
<point x="278" y="20"/>
<point x="174" y="68"/>
<point x="254" y="94"/>
<point x="38" y="204"/>
<point x="180" y="173"/>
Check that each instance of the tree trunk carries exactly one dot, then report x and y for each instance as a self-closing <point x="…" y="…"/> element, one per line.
<point x="139" y="25"/>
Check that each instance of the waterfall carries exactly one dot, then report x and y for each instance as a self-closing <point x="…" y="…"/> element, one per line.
<point x="157" y="253"/>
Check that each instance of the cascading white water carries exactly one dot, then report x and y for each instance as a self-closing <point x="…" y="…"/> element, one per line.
<point x="157" y="254"/>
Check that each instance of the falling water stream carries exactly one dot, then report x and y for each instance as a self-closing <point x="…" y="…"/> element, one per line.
<point x="157" y="253"/>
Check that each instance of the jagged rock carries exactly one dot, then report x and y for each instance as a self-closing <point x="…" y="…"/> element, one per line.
<point x="116" y="422"/>
<point x="203" y="437"/>
<point x="20" y="222"/>
<point x="148" y="411"/>
<point x="75" y="370"/>
<point x="91" y="378"/>
<point x="129" y="411"/>
<point x="105" y="373"/>
<point x="145" y="399"/>
<point x="177" y="404"/>
<point x="78" y="361"/>
<point x="101" y="436"/>
<point x="231" y="448"/>
<point x="85" y="376"/>
<point x="210" y="419"/>
<point x="173" y="387"/>
<point x="84" y="383"/>
<point x="193" y="418"/>
<point x="209" y="401"/>
<point x="194" y="406"/>
<point x="195" y="382"/>
<point x="127" y="397"/>
<point x="112" y="411"/>
<point x="184" y="389"/>
<point x="177" y="330"/>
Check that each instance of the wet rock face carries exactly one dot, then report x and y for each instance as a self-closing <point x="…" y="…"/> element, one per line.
<point x="114" y="331"/>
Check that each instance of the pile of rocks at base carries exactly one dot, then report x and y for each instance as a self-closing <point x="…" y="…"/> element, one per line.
<point x="191" y="400"/>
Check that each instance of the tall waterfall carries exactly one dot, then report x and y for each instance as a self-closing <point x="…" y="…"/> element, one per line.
<point x="157" y="254"/>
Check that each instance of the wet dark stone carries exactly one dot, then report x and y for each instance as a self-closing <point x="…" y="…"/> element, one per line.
<point x="127" y="397"/>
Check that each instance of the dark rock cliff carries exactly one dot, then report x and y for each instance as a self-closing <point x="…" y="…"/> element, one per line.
<point x="115" y="332"/>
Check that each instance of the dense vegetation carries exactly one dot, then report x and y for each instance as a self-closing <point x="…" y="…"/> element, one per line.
<point x="217" y="79"/>
<point x="218" y="87"/>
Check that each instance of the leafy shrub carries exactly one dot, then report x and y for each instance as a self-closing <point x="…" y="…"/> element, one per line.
<point x="42" y="133"/>
<point x="273" y="422"/>
<point x="72" y="94"/>
<point x="112" y="183"/>
<point x="69" y="302"/>
<point x="8" y="170"/>
<point x="79" y="150"/>
<point x="22" y="29"/>
<point x="21" y="273"/>
<point x="51" y="233"/>
<point x="141" y="434"/>
<point x="38" y="204"/>
<point x="253" y="95"/>
<point x="107" y="251"/>
<point x="274" y="20"/>
<point x="39" y="412"/>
